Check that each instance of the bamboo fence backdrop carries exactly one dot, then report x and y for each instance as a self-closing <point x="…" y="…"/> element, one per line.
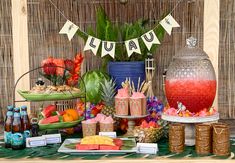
<point x="6" y="60"/>
<point x="44" y="23"/>
<point x="227" y="59"/>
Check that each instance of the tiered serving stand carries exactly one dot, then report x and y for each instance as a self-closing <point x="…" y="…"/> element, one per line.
<point x="131" y="123"/>
<point x="58" y="98"/>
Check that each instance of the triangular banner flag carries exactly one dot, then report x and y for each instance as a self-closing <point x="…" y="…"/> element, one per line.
<point x="70" y="29"/>
<point x="108" y="48"/>
<point x="149" y="39"/>
<point x="168" y="23"/>
<point x="132" y="46"/>
<point x="92" y="44"/>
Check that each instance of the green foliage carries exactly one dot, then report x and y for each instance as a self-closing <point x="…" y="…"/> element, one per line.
<point x="106" y="30"/>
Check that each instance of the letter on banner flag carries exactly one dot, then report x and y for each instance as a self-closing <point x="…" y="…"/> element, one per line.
<point x="168" y="23"/>
<point x="108" y="47"/>
<point x="92" y="44"/>
<point x="149" y="39"/>
<point x="132" y="46"/>
<point x="70" y="29"/>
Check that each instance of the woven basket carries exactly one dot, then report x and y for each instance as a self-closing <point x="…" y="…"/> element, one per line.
<point x="148" y="135"/>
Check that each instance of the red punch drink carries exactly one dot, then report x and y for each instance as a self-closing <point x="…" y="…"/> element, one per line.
<point x="194" y="94"/>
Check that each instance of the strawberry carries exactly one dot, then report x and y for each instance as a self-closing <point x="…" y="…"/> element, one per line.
<point x="152" y="124"/>
<point x="144" y="124"/>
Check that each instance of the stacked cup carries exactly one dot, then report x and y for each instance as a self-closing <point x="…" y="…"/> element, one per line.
<point x="176" y="138"/>
<point x="203" y="138"/>
<point x="221" y="141"/>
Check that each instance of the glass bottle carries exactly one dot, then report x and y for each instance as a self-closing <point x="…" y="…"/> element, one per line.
<point x="25" y="123"/>
<point x="7" y="127"/>
<point x="17" y="140"/>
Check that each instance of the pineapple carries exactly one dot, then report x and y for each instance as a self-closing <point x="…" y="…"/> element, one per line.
<point x="108" y="91"/>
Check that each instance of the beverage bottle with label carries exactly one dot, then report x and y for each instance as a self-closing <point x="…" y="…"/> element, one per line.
<point x="7" y="126"/>
<point x="17" y="138"/>
<point x="26" y="126"/>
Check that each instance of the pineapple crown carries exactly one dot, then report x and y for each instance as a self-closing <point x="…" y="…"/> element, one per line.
<point x="108" y="91"/>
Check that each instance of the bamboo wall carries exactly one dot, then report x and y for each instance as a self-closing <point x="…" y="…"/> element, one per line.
<point x="44" y="23"/>
<point x="227" y="59"/>
<point x="6" y="56"/>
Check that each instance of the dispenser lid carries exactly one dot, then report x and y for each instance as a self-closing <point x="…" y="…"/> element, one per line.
<point x="191" y="51"/>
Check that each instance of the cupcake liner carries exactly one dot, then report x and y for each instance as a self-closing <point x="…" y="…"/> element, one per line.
<point x="144" y="106"/>
<point x="136" y="106"/>
<point x="106" y="127"/>
<point x="88" y="129"/>
<point x="121" y="106"/>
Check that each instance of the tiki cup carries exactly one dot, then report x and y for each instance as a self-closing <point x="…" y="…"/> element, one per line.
<point x="203" y="139"/>
<point x="176" y="138"/>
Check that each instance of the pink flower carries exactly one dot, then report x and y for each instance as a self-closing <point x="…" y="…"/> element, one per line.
<point x="171" y="111"/>
<point x="202" y="113"/>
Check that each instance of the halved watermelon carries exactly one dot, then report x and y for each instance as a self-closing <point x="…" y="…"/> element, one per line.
<point x="87" y="146"/>
<point x="52" y="119"/>
<point x="47" y="111"/>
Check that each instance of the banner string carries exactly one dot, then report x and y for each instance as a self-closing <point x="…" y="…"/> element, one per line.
<point x="174" y="8"/>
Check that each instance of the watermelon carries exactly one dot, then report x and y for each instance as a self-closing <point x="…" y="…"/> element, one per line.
<point x="92" y="81"/>
<point x="118" y="142"/>
<point x="87" y="146"/>
<point x="60" y="113"/>
<point x="52" y="119"/>
<point x="47" y="111"/>
<point x="109" y="147"/>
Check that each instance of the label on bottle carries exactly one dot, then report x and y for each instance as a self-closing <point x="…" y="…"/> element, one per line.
<point x="17" y="139"/>
<point x="9" y="114"/>
<point x="7" y="137"/>
<point x="26" y="134"/>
